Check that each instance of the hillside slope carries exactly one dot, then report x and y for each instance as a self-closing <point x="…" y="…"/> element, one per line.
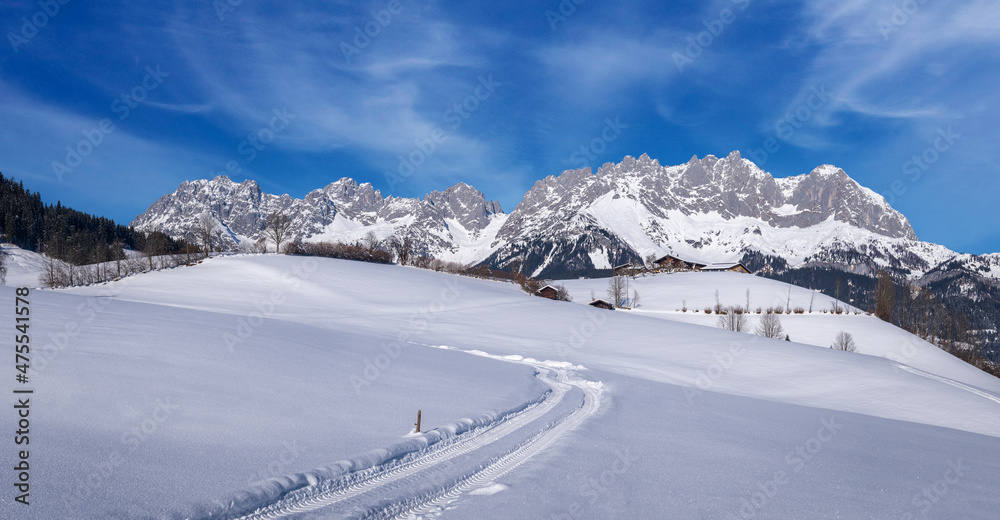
<point x="258" y="354"/>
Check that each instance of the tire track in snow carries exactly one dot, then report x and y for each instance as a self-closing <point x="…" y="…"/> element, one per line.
<point x="326" y="493"/>
<point x="951" y="382"/>
<point x="436" y="503"/>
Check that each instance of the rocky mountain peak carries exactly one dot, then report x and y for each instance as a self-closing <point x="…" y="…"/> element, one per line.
<point x="465" y="204"/>
<point x="626" y="208"/>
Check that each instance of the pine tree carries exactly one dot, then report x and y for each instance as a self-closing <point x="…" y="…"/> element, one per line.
<point x="885" y="297"/>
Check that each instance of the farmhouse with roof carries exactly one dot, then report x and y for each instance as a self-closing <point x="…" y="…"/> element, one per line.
<point x="602" y="304"/>
<point x="548" y="292"/>
<point x="674" y="262"/>
<point x="735" y="267"/>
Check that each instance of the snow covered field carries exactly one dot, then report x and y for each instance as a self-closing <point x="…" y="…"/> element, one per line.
<point x="23" y="267"/>
<point x="290" y="384"/>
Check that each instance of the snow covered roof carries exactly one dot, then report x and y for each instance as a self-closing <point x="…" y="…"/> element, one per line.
<point x="723" y="266"/>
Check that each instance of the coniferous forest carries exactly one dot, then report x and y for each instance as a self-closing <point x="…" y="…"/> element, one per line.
<point x="66" y="234"/>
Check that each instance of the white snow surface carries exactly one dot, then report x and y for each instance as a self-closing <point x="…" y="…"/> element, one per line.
<point x="23" y="266"/>
<point x="287" y="386"/>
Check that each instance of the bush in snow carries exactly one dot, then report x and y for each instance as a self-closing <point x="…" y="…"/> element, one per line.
<point x="361" y="252"/>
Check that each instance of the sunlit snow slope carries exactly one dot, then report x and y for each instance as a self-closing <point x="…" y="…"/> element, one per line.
<point x="273" y="366"/>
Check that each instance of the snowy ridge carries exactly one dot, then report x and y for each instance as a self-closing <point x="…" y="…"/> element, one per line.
<point x="342" y="211"/>
<point x="709" y="208"/>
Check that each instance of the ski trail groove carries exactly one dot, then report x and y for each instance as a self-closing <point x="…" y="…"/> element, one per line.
<point x="951" y="382"/>
<point x="504" y="464"/>
<point x="555" y="375"/>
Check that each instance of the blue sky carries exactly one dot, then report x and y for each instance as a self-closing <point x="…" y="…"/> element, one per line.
<point x="296" y="95"/>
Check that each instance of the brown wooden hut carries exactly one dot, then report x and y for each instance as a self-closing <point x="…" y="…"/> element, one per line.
<point x="548" y="292"/>
<point x="602" y="304"/>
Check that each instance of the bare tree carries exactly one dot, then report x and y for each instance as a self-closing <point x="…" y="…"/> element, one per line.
<point x="769" y="326"/>
<point x="155" y="244"/>
<point x="52" y="275"/>
<point x="635" y="298"/>
<point x="133" y="264"/>
<point x="277" y="228"/>
<point x="734" y="321"/>
<point x="258" y="246"/>
<point x="616" y="290"/>
<point x="562" y="294"/>
<point x="371" y="242"/>
<point x="844" y="341"/>
<point x="528" y="285"/>
<point x="403" y="247"/>
<point x="3" y="267"/>
<point x="205" y="230"/>
<point x="118" y="254"/>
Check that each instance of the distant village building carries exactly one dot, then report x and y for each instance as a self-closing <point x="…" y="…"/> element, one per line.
<point x="735" y="267"/>
<point x="548" y="292"/>
<point x="674" y="262"/>
<point x="602" y="304"/>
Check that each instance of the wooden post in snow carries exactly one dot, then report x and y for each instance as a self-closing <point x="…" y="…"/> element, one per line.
<point x="418" y="421"/>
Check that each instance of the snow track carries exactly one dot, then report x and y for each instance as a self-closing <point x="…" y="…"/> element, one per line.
<point x="951" y="382"/>
<point x="404" y="487"/>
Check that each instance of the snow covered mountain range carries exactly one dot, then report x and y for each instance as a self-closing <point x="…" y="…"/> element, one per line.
<point x="452" y="221"/>
<point x="709" y="209"/>
<point x="821" y="230"/>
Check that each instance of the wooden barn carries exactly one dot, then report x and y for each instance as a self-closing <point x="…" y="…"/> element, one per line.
<point x="548" y="292"/>
<point x="674" y="262"/>
<point x="735" y="267"/>
<point x="602" y="304"/>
